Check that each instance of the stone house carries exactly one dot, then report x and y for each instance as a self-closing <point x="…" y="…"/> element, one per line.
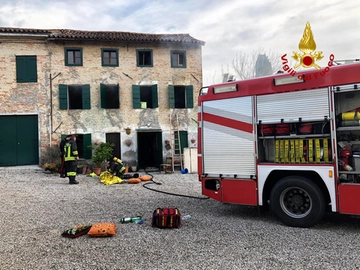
<point x="129" y="89"/>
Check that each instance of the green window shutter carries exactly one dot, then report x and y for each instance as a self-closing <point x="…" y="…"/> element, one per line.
<point x="86" y="143"/>
<point x="183" y="140"/>
<point x="26" y="69"/>
<point x="103" y="95"/>
<point x="171" y="89"/>
<point x="86" y="96"/>
<point x="63" y="97"/>
<point x="189" y="96"/>
<point x="20" y="69"/>
<point x="136" y="96"/>
<point x="154" y="96"/>
<point x="31" y="69"/>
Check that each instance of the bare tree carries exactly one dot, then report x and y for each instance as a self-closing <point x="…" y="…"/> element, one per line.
<point x="224" y="76"/>
<point x="256" y="64"/>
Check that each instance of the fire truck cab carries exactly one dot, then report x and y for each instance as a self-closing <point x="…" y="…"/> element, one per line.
<point x="290" y="142"/>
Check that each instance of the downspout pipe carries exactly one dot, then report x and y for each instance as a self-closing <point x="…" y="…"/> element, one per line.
<point x="51" y="106"/>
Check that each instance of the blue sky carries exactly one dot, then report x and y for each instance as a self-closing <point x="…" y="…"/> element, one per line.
<point x="228" y="26"/>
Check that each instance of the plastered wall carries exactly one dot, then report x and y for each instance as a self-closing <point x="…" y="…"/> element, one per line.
<point x="37" y="98"/>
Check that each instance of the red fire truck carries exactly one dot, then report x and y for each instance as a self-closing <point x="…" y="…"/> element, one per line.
<point x="290" y="142"/>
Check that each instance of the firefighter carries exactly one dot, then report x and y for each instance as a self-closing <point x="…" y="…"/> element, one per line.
<point x="116" y="167"/>
<point x="71" y="157"/>
<point x="62" y="153"/>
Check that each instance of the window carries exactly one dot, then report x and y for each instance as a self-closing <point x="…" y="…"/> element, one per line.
<point x="109" y="96"/>
<point x="181" y="96"/>
<point x="26" y="70"/>
<point x="145" y="96"/>
<point x="144" y="58"/>
<point x="73" y="57"/>
<point x="178" y="59"/>
<point x="74" y="96"/>
<point x="109" y="57"/>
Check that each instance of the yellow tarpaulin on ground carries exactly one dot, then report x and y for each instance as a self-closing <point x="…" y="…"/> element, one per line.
<point x="108" y="178"/>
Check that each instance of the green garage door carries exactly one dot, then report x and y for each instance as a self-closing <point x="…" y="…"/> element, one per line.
<point x="19" y="144"/>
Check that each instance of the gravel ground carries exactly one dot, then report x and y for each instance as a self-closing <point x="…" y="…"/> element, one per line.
<point x="37" y="207"/>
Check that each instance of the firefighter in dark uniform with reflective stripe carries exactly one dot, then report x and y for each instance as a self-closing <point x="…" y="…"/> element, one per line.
<point x="71" y="157"/>
<point x="62" y="145"/>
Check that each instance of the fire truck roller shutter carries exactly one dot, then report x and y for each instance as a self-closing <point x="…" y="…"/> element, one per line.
<point x="228" y="137"/>
<point x="309" y="105"/>
<point x="297" y="201"/>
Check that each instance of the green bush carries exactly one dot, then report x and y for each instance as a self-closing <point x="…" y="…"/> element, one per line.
<point x="101" y="153"/>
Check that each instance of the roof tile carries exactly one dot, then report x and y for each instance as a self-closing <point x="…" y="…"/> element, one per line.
<point x="66" y="34"/>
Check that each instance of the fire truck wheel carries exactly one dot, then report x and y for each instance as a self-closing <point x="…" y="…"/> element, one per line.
<point x="297" y="202"/>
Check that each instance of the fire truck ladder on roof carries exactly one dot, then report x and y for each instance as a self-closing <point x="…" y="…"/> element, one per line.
<point x="176" y="151"/>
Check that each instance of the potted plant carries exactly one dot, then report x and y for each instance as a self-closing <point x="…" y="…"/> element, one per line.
<point x="101" y="153"/>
